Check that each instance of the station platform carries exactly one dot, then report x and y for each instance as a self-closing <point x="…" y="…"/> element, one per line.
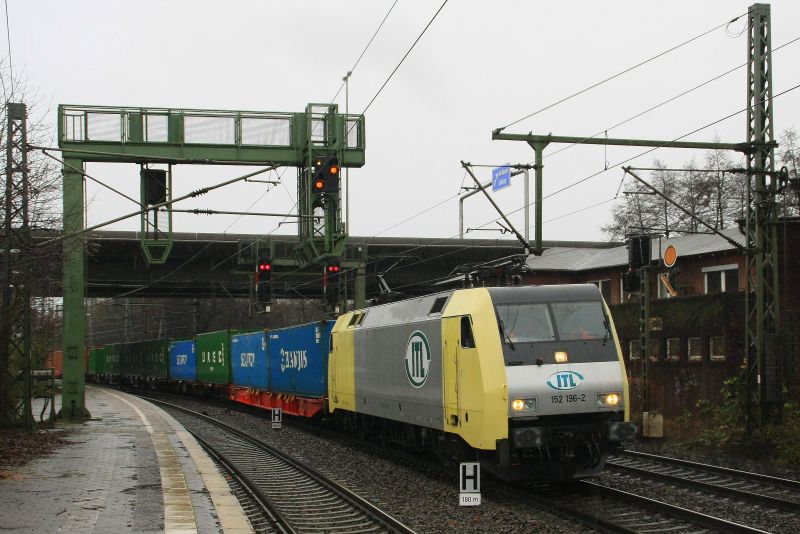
<point x="131" y="468"/>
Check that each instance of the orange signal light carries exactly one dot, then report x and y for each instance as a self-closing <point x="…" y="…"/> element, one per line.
<point x="334" y="169"/>
<point x="319" y="184"/>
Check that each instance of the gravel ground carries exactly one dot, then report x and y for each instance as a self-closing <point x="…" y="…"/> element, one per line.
<point x="422" y="498"/>
<point x="761" y="517"/>
<point x="426" y="498"/>
<point x="760" y="465"/>
<point x="764" y="518"/>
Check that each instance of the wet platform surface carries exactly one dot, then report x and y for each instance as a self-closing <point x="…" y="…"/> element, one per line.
<point x="131" y="468"/>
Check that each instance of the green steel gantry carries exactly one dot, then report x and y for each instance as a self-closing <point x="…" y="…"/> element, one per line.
<point x="165" y="137"/>
<point x="764" y="380"/>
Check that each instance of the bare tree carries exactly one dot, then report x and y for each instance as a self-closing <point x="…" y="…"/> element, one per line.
<point x="789" y="156"/>
<point x="30" y="267"/>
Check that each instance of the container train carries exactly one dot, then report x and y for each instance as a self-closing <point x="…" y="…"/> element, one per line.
<point x="528" y="380"/>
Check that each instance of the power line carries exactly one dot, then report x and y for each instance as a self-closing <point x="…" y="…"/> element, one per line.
<point x="406" y="55"/>
<point x="194" y="256"/>
<point x="10" y="62"/>
<point x="620" y="73"/>
<point x="667" y="101"/>
<point x="353" y="68"/>
<point x="619" y="163"/>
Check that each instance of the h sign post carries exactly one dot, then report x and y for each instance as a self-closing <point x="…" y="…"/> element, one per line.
<point x="469" y="484"/>
<point x="277" y="417"/>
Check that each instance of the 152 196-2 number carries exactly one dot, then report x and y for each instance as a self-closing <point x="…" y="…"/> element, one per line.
<point x="571" y="397"/>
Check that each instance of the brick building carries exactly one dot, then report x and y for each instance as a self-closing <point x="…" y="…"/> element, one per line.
<point x="700" y="341"/>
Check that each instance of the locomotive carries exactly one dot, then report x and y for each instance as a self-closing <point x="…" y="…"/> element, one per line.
<point x="527" y="380"/>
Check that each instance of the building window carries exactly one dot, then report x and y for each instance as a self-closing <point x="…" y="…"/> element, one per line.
<point x="655" y="350"/>
<point x="721" y="278"/>
<point x="717" y="349"/>
<point x="694" y="349"/>
<point x="673" y="349"/>
<point x="634" y="352"/>
<point x="605" y="289"/>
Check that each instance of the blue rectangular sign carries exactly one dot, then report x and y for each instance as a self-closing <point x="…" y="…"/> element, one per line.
<point x="501" y="177"/>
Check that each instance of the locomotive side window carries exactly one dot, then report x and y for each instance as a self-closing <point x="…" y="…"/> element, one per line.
<point x="438" y="305"/>
<point x="467" y="339"/>
<point x="579" y="320"/>
<point x="354" y="319"/>
<point x="526" y="322"/>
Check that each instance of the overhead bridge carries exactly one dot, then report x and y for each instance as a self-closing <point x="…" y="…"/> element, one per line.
<point x="202" y="265"/>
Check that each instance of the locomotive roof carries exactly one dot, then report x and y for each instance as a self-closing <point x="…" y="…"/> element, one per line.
<point x="568" y="292"/>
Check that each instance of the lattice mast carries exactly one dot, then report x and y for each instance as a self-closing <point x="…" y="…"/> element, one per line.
<point x="764" y="373"/>
<point x="15" y="332"/>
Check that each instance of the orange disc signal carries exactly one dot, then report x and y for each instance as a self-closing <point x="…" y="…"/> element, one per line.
<point x="670" y="256"/>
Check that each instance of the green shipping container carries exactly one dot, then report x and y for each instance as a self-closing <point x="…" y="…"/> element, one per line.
<point x="111" y="362"/>
<point x="97" y="357"/>
<point x="213" y="357"/>
<point x="149" y="359"/>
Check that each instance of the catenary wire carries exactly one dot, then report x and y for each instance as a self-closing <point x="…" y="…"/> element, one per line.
<point x="353" y="68"/>
<point x="620" y="73"/>
<point x="406" y="55"/>
<point x="665" y="102"/>
<point x="10" y="61"/>
<point x="557" y="192"/>
<point x="583" y="180"/>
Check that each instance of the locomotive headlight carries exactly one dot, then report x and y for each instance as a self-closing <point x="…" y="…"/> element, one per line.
<point x="561" y="356"/>
<point x="608" y="399"/>
<point x="523" y="404"/>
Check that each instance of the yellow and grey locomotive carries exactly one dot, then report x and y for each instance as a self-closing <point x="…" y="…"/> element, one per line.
<point x="530" y="380"/>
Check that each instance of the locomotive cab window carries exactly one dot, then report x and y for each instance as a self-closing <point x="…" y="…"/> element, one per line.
<point x="579" y="320"/>
<point x="467" y="339"/>
<point x="524" y="323"/>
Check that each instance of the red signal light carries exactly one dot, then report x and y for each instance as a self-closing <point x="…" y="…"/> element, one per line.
<point x="265" y="267"/>
<point x="333" y="269"/>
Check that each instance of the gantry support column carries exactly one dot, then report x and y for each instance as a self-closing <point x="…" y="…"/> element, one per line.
<point x="764" y="373"/>
<point x="73" y="405"/>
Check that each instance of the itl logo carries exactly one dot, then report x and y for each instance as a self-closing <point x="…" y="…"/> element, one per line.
<point x="565" y="380"/>
<point x="418" y="359"/>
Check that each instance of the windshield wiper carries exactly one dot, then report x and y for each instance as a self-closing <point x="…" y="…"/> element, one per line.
<point x="504" y="334"/>
<point x="607" y="335"/>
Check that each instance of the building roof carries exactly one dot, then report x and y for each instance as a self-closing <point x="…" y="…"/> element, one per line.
<point x="587" y="259"/>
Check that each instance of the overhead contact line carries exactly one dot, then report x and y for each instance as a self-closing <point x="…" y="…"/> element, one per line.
<point x="620" y="73"/>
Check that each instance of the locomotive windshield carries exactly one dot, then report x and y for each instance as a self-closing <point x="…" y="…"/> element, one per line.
<point x="564" y="321"/>
<point x="579" y="320"/>
<point x="526" y="322"/>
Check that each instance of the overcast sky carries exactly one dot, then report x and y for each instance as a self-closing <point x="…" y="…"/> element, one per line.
<point x="481" y="65"/>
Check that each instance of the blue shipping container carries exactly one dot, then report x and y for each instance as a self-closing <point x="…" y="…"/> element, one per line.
<point x="182" y="361"/>
<point x="249" y="360"/>
<point x="298" y="359"/>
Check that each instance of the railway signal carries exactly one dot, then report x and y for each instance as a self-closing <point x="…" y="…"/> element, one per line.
<point x="264" y="270"/>
<point x="326" y="175"/>
<point x="263" y="285"/>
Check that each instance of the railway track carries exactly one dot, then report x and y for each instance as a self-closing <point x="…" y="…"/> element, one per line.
<point x="297" y="496"/>
<point x="613" y="510"/>
<point x="755" y="488"/>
